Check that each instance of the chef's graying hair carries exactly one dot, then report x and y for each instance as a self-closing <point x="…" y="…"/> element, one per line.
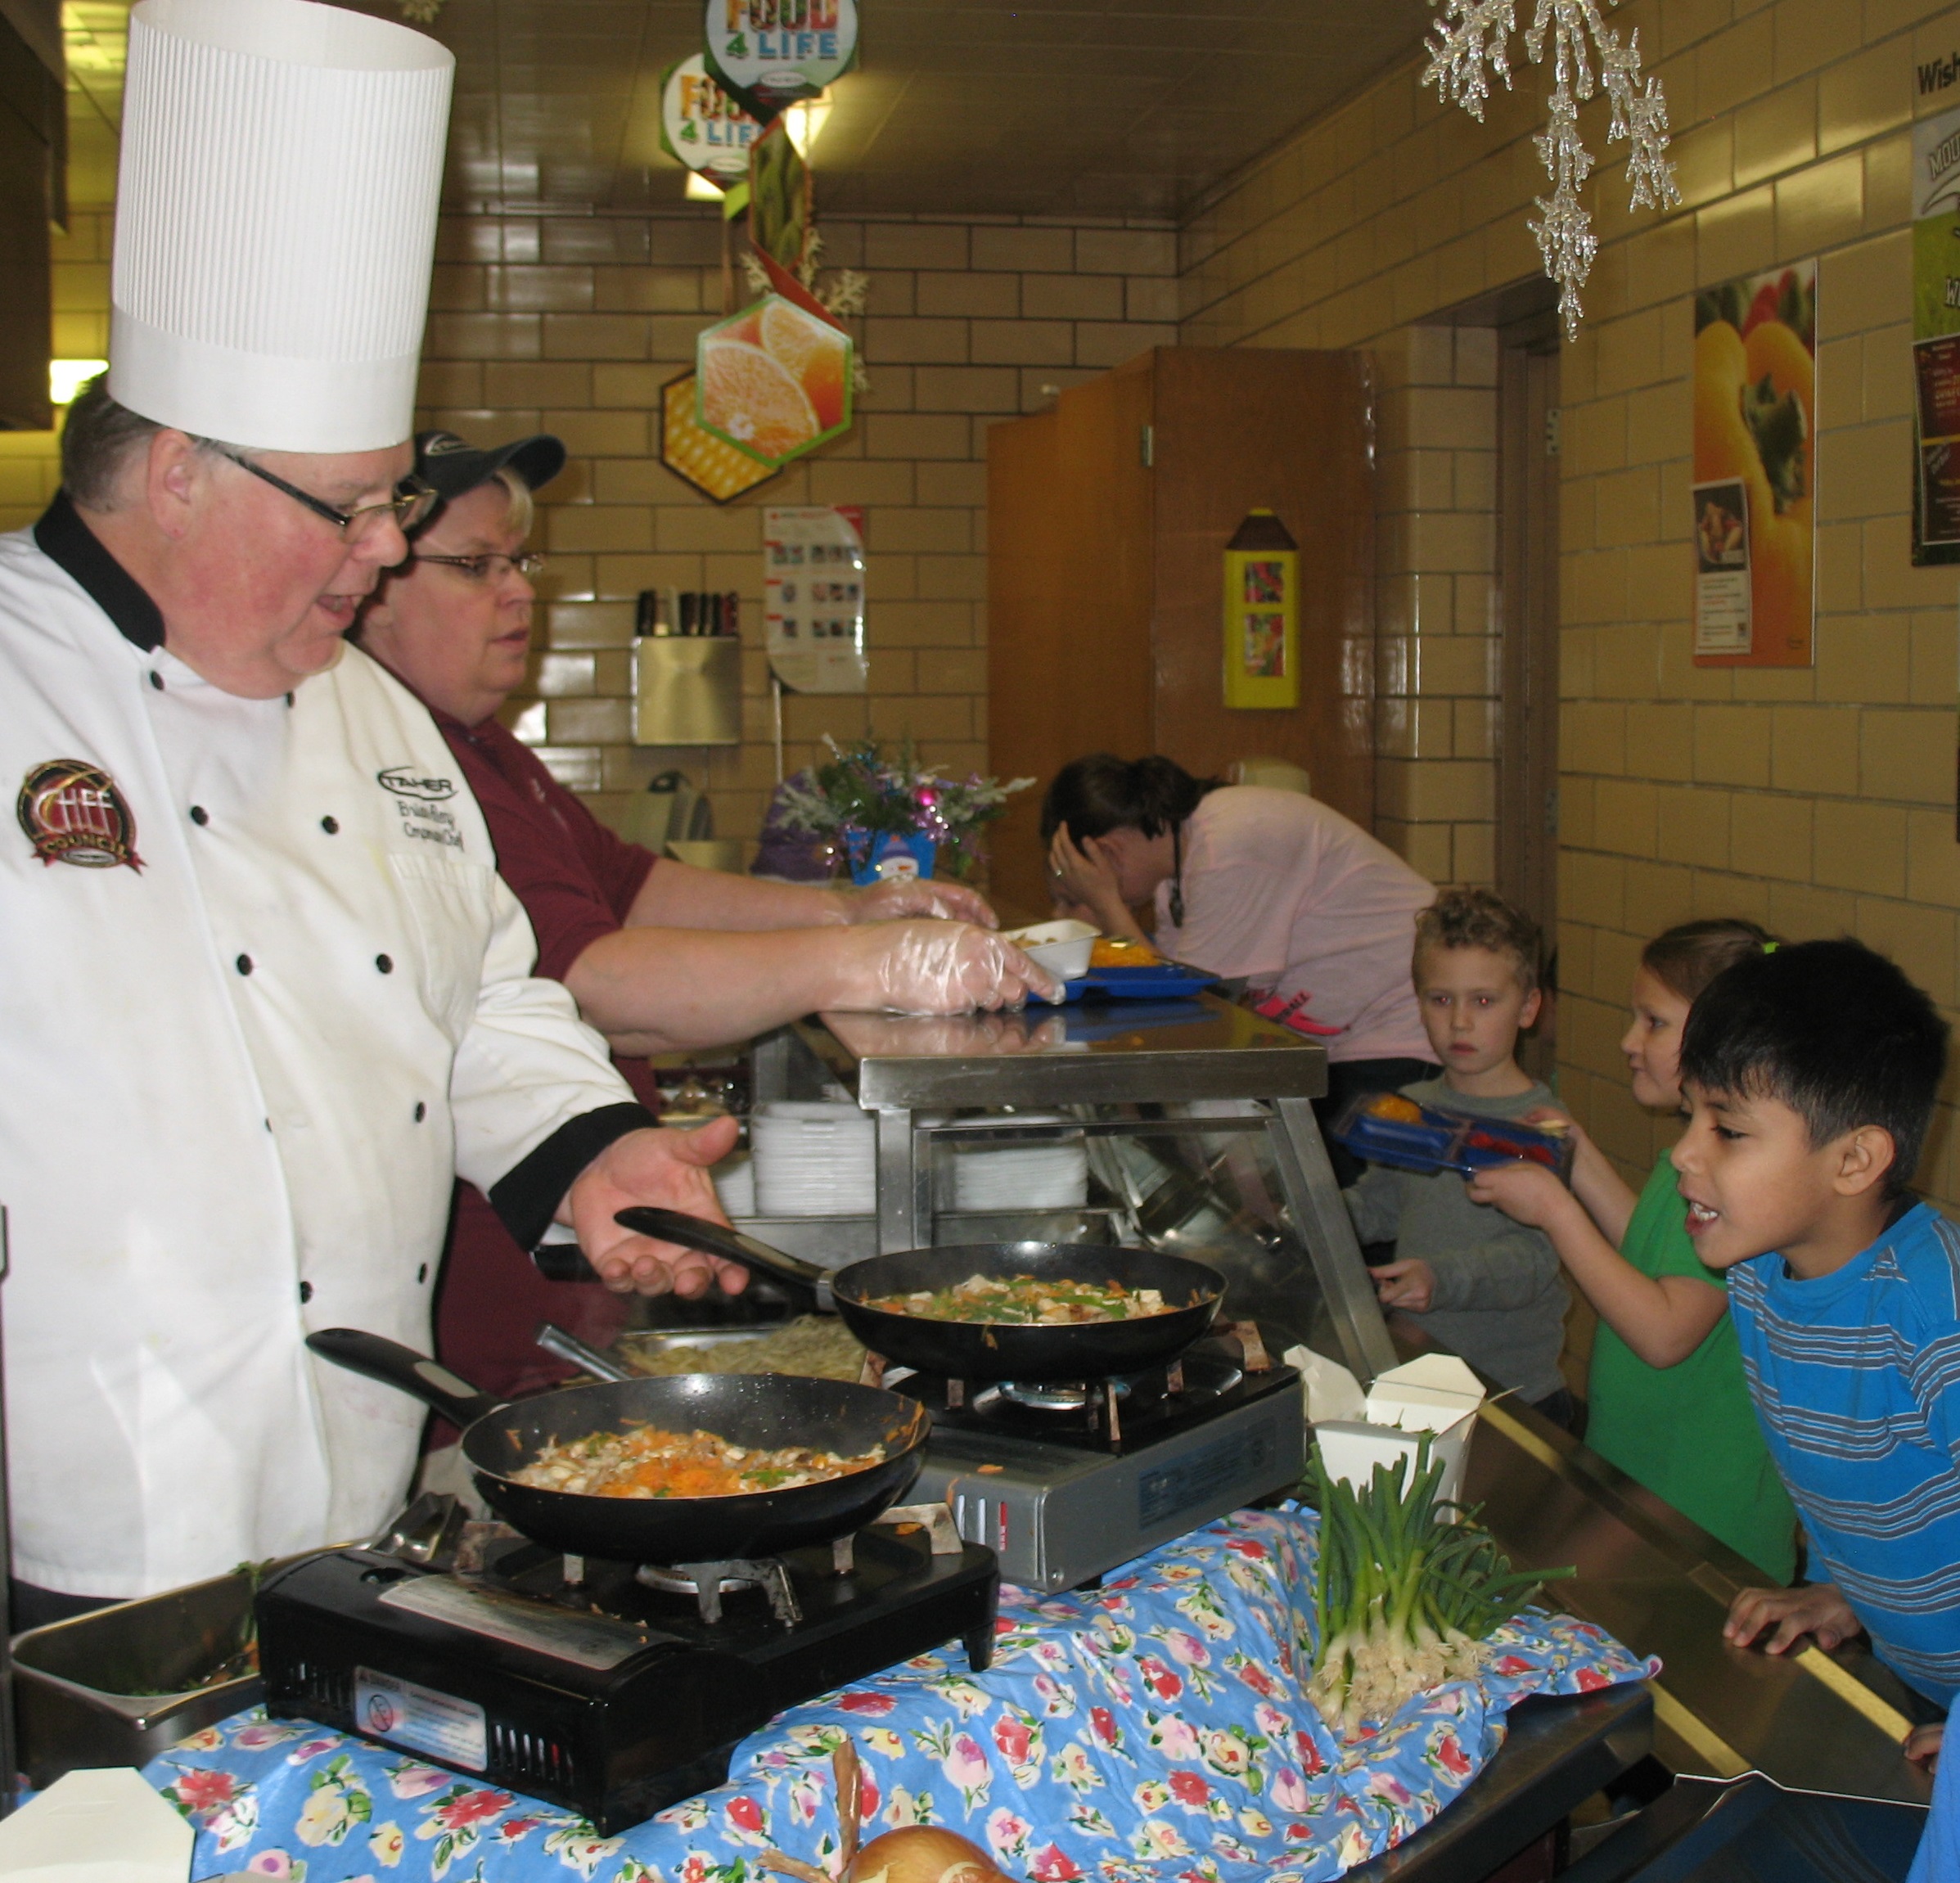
<point x="1686" y="958"/>
<point x="98" y="440"/>
<point x="1831" y="1030"/>
<point x="1103" y="793"/>
<point x="1482" y="918"/>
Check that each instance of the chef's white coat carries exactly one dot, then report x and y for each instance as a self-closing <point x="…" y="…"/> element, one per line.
<point x="238" y="1082"/>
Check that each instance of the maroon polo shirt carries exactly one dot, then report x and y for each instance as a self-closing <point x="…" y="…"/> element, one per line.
<point x="577" y="882"/>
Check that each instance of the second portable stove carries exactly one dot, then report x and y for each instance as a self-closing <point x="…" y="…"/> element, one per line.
<point x="1035" y="1473"/>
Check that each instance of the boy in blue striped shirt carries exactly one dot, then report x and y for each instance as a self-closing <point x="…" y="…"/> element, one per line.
<point x="1810" y="1075"/>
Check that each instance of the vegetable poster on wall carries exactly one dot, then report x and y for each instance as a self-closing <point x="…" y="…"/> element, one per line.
<point x="1756" y="401"/>
<point x="1936" y="339"/>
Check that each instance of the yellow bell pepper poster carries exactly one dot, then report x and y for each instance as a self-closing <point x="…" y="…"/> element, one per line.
<point x="1755" y="398"/>
<point x="1936" y="339"/>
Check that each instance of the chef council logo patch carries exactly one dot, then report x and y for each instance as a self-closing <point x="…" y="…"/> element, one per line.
<point x="73" y="812"/>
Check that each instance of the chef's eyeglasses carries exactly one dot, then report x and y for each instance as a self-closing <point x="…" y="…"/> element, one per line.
<point x="410" y="505"/>
<point x="490" y="566"/>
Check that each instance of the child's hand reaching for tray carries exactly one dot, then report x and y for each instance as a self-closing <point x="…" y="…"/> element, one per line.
<point x="1816" y="1609"/>
<point x="1410" y="1285"/>
<point x="1527" y="1193"/>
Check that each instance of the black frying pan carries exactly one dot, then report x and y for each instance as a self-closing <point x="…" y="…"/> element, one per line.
<point x="764" y="1410"/>
<point x="978" y="1350"/>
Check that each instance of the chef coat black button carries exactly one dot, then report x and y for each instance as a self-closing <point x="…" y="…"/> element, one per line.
<point x="200" y="816"/>
<point x="157" y="680"/>
<point x="421" y="1274"/>
<point x="331" y="825"/>
<point x="306" y="1293"/>
<point x="245" y="964"/>
<point x="421" y="1111"/>
<point x="384" y="964"/>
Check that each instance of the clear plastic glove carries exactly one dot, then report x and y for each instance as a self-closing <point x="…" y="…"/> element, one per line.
<point x="947" y="967"/>
<point x="898" y="897"/>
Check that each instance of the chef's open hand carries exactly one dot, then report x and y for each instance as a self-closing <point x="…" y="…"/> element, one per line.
<point x="1084" y="876"/>
<point x="1815" y="1609"/>
<point x="1525" y="1191"/>
<point x="1411" y="1285"/>
<point x="669" y="1170"/>
<point x="898" y="897"/>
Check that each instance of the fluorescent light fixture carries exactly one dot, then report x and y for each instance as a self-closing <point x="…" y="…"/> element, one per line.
<point x="699" y="190"/>
<point x="806" y="119"/>
<point x="66" y="377"/>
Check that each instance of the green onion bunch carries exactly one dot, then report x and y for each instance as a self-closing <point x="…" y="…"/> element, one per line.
<point x="1407" y="1588"/>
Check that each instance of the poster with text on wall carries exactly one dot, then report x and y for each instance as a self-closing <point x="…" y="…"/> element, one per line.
<point x="1754" y="530"/>
<point x="1936" y="339"/>
<point x="813" y="597"/>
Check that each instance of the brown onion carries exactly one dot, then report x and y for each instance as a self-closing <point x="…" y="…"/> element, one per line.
<point x="921" y="1855"/>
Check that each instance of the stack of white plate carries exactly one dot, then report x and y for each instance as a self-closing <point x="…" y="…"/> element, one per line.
<point x="735" y="1183"/>
<point x="814" y="1159"/>
<point x="1046" y="1175"/>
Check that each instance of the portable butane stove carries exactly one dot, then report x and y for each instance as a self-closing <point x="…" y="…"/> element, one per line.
<point x="1063" y="1482"/>
<point x="611" y="1688"/>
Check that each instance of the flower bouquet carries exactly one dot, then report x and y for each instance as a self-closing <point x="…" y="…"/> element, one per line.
<point x="895" y="818"/>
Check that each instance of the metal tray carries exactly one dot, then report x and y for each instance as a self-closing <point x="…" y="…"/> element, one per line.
<point x="66" y="1676"/>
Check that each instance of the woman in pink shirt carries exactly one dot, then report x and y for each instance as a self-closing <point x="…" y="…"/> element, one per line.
<point x="1269" y="887"/>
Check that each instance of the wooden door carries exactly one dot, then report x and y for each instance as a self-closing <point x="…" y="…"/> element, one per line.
<point x="1249" y="427"/>
<point x="1068" y="580"/>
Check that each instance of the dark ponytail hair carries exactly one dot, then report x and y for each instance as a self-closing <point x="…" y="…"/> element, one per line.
<point x="1685" y="959"/>
<point x="1103" y="793"/>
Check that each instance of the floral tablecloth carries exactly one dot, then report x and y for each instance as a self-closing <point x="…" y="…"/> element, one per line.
<point x="1153" y="1731"/>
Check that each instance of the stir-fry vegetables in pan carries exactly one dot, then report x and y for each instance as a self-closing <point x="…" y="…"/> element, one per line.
<point x="1024" y="1301"/>
<point x="648" y="1462"/>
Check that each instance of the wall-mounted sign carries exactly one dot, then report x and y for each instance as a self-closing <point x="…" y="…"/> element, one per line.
<point x="1262" y="613"/>
<point x="769" y="53"/>
<point x="780" y="205"/>
<point x="702" y="126"/>
<point x="813" y="605"/>
<point x="1754" y="486"/>
<point x="775" y="380"/>
<point x="1936" y="339"/>
<point x="715" y="469"/>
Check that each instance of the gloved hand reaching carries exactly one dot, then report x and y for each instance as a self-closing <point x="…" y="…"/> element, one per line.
<point x="897" y="896"/>
<point x="943" y="967"/>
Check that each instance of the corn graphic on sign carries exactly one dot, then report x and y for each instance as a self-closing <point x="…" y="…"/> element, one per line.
<point x="773" y="381"/>
<point x="716" y="469"/>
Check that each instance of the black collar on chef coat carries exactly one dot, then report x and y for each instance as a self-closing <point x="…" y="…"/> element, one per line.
<point x="64" y="538"/>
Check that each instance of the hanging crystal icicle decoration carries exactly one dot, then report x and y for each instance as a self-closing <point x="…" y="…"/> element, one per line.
<point x="1475" y="34"/>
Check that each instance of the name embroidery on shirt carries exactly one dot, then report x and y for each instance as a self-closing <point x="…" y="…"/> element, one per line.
<point x="420" y="801"/>
<point x="73" y="813"/>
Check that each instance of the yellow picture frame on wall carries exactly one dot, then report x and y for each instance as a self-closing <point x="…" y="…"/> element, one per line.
<point x="1262" y="614"/>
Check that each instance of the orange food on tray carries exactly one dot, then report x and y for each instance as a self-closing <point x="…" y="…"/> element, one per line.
<point x="1110" y="951"/>
<point x="1392" y="1105"/>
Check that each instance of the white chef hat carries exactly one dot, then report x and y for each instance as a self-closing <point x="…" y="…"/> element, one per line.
<point x="275" y="222"/>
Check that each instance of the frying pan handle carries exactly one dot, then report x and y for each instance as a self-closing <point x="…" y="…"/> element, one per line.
<point x="731" y="1246"/>
<point x="402" y="1367"/>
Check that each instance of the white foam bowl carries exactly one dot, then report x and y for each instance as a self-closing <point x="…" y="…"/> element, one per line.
<point x="1062" y="948"/>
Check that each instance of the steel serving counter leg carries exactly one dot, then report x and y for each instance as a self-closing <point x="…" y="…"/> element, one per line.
<point x="1307" y="1177"/>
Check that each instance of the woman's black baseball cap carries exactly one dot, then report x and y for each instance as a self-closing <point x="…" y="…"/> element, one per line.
<point x="455" y="467"/>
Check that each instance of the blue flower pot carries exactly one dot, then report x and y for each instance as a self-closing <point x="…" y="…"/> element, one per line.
<point x="876" y="855"/>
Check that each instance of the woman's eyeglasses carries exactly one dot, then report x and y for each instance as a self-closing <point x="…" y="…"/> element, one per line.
<point x="411" y="504"/>
<point x="489" y="567"/>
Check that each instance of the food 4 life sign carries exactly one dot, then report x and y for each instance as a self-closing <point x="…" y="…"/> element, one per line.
<point x="702" y="126"/>
<point x="769" y="53"/>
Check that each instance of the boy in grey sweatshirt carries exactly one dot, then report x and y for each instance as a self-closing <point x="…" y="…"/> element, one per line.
<point x="1483" y="1287"/>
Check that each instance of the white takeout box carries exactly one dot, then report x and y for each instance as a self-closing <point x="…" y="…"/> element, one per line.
<point x="1435" y="1394"/>
<point x="101" y="1825"/>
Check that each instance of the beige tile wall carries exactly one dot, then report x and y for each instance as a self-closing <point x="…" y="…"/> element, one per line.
<point x="1820" y="800"/>
<point x="572" y="326"/>
<point x="1436" y="640"/>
